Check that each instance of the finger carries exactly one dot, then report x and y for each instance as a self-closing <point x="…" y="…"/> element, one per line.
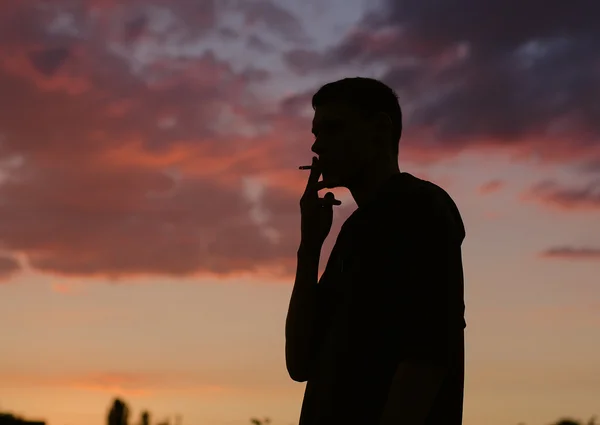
<point x="329" y="199"/>
<point x="315" y="172"/>
<point x="328" y="183"/>
<point x="311" y="186"/>
<point x="326" y="203"/>
<point x="320" y="185"/>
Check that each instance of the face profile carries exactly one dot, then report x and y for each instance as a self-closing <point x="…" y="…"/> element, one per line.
<point x="345" y="141"/>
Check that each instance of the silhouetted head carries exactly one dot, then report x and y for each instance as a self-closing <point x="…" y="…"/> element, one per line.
<point x="357" y="127"/>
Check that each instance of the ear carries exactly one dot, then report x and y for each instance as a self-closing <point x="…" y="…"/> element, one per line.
<point x="381" y="125"/>
<point x="384" y="121"/>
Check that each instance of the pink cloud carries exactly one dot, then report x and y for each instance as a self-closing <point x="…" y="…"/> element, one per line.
<point x="551" y="193"/>
<point x="205" y="382"/>
<point x="493" y="215"/>
<point x="116" y="176"/>
<point x="122" y="383"/>
<point x="129" y="167"/>
<point x="491" y="187"/>
<point x="9" y="266"/>
<point x="572" y="253"/>
<point x="66" y="288"/>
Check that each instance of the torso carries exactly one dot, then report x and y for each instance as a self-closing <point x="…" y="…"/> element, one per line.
<point x="352" y="244"/>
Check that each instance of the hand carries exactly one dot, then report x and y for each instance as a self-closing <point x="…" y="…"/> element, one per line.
<point x="316" y="213"/>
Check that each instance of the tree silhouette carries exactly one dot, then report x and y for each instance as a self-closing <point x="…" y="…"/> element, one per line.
<point x="145" y="418"/>
<point x="571" y="421"/>
<point x="567" y="422"/>
<point x="119" y="413"/>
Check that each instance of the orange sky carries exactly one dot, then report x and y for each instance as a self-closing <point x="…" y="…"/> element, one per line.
<point x="149" y="198"/>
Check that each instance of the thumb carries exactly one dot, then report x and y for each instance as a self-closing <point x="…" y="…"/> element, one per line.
<point x="329" y="199"/>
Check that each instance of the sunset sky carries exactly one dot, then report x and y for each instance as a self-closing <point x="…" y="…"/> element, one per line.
<point x="149" y="190"/>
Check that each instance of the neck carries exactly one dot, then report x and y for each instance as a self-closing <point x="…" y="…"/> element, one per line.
<point x="368" y="184"/>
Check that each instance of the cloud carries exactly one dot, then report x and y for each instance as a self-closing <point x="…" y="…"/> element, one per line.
<point x="135" y="27"/>
<point x="572" y="253"/>
<point x="590" y="167"/>
<point x="274" y="17"/>
<point x="491" y="187"/>
<point x="257" y="43"/>
<point x="443" y="22"/>
<point x="48" y="61"/>
<point x="65" y="288"/>
<point x="555" y="195"/>
<point x="303" y="61"/>
<point x="228" y="33"/>
<point x="212" y="381"/>
<point x="122" y="383"/>
<point x="296" y="104"/>
<point x="479" y="75"/>
<point x="120" y="158"/>
<point x="9" y="266"/>
<point x="164" y="18"/>
<point x="361" y="46"/>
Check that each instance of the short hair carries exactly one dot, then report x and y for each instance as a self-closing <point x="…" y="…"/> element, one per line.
<point x="368" y="96"/>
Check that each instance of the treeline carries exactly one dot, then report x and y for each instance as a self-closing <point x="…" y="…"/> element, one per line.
<point x="10" y="419"/>
<point x="118" y="415"/>
<point x="119" y="412"/>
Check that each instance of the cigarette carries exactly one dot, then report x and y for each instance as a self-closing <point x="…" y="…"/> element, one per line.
<point x="305" y="167"/>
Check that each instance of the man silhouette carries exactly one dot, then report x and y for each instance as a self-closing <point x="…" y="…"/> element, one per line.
<point x="379" y="339"/>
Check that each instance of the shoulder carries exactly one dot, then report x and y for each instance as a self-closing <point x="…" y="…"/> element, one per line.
<point x="425" y="194"/>
<point x="417" y="200"/>
<point x="421" y="207"/>
<point x="436" y="214"/>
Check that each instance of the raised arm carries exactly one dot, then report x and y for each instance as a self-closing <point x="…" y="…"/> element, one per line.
<point x="301" y="318"/>
<point x="316" y="220"/>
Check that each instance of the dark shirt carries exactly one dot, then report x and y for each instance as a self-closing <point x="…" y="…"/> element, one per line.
<point x="392" y="291"/>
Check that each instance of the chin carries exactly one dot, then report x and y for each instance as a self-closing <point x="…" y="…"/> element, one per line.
<point x="335" y="176"/>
